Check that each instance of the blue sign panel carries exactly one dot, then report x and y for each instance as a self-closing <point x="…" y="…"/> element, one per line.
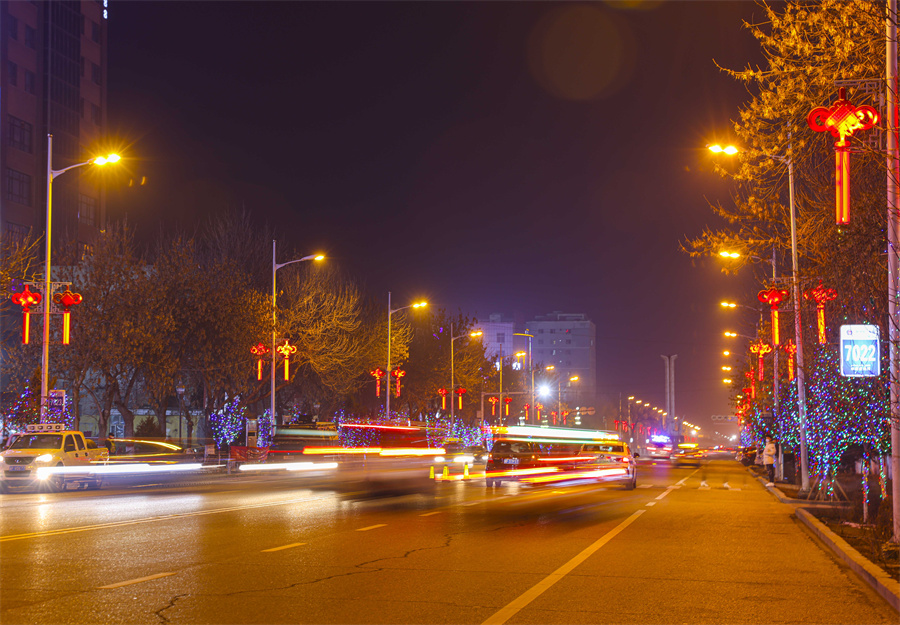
<point x="860" y="351"/>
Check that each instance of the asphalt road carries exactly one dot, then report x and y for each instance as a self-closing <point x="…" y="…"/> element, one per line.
<point x="269" y="549"/>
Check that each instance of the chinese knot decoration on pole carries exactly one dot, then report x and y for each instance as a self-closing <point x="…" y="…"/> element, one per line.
<point x="398" y="373"/>
<point x="791" y="350"/>
<point x="377" y="373"/>
<point x="820" y="295"/>
<point x="26" y="299"/>
<point x="286" y="350"/>
<point x="460" y="392"/>
<point x="526" y="407"/>
<point x="842" y="119"/>
<point x="260" y="352"/>
<point x="773" y="297"/>
<point x="537" y="411"/>
<point x="761" y="349"/>
<point x="66" y="300"/>
<point x="494" y="401"/>
<point x="507" y="400"/>
<point x="443" y="393"/>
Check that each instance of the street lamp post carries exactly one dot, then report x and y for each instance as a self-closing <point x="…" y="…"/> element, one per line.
<point x="798" y="328"/>
<point x="391" y="311"/>
<point x="51" y="174"/>
<point x="530" y="363"/>
<point x="453" y="372"/>
<point x="275" y="267"/>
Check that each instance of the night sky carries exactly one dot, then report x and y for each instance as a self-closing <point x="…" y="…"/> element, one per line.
<point x="490" y="157"/>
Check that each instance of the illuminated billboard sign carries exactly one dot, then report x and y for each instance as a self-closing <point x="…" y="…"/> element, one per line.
<point x="860" y="351"/>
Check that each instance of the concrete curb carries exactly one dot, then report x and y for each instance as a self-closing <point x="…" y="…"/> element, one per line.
<point x="873" y="575"/>
<point x="883" y="584"/>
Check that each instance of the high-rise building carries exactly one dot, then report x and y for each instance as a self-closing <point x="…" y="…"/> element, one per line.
<point x="52" y="80"/>
<point x="567" y="341"/>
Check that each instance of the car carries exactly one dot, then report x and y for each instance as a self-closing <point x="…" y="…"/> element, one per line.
<point x="51" y="457"/>
<point x="510" y="455"/>
<point x="687" y="454"/>
<point x="606" y="458"/>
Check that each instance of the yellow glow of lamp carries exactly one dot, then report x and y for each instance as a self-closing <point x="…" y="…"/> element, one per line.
<point x="730" y="150"/>
<point x="728" y="304"/>
<point x="476" y="333"/>
<point x="103" y="160"/>
<point x="725" y="254"/>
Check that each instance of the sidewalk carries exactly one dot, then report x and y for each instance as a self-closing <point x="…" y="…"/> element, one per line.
<point x="810" y="511"/>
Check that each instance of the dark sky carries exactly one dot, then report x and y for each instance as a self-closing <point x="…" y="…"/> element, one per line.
<point x="491" y="157"/>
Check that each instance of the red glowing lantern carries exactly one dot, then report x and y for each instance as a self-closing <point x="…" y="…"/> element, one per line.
<point x="443" y="393"/>
<point x="377" y="373"/>
<point x="26" y="299"/>
<point x="773" y="297"/>
<point x="259" y="351"/>
<point x="398" y="373"/>
<point x="791" y="349"/>
<point x="761" y="349"/>
<point x="507" y="400"/>
<point x="820" y="295"/>
<point x="286" y="350"/>
<point x="494" y="401"/>
<point x="526" y="406"/>
<point x="460" y="392"/>
<point x="66" y="300"/>
<point x="842" y="119"/>
<point x="553" y="415"/>
<point x="750" y="376"/>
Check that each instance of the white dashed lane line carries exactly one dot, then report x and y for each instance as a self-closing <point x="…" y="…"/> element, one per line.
<point x="431" y="513"/>
<point x="650" y="503"/>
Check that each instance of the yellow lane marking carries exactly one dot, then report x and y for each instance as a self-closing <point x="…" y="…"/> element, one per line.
<point x="371" y="527"/>
<point x="282" y="547"/>
<point x="136" y="581"/>
<point x="165" y="517"/>
<point x="430" y="513"/>
<point x="504" y="614"/>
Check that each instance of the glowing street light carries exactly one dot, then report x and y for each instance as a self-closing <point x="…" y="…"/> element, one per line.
<point x="472" y="334"/>
<point x="275" y="267"/>
<point x="391" y="311"/>
<point x="51" y="175"/>
<point x="730" y="150"/>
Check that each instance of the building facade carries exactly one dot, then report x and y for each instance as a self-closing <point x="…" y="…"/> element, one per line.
<point x="52" y="81"/>
<point x="567" y="342"/>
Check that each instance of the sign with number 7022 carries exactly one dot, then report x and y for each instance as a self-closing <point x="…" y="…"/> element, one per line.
<point x="860" y="351"/>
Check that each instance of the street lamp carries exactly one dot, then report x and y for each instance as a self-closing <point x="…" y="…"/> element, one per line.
<point x="798" y="328"/>
<point x="530" y="366"/>
<point x="48" y="295"/>
<point x="472" y="334"/>
<point x="391" y="311"/>
<point x="275" y="267"/>
<point x="574" y="378"/>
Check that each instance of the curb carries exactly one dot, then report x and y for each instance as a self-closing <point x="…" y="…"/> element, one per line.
<point x="883" y="584"/>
